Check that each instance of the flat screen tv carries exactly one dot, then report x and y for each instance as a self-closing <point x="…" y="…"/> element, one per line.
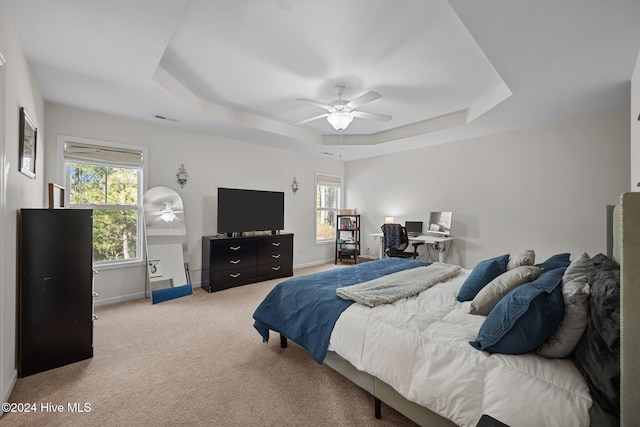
<point x="241" y="210"/>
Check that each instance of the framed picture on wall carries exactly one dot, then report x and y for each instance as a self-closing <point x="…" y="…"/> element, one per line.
<point x="56" y="196"/>
<point x="28" y="140"/>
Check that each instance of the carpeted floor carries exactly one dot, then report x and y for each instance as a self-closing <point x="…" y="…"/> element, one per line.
<point x="198" y="361"/>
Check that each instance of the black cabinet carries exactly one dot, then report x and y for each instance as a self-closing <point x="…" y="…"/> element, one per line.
<point x="55" y="295"/>
<point x="235" y="261"/>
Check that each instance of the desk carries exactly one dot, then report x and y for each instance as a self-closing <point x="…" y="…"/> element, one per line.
<point x="438" y="243"/>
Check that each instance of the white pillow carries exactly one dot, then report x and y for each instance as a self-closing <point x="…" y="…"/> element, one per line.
<point x="491" y="294"/>
<point x="575" y="290"/>
<point x="526" y="257"/>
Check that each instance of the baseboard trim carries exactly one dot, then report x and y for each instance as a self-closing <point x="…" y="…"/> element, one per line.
<point x="314" y="263"/>
<point x="115" y="300"/>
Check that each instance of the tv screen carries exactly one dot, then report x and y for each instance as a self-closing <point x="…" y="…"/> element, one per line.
<point x="249" y="210"/>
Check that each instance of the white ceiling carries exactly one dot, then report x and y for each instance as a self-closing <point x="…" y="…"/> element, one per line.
<point x="446" y="70"/>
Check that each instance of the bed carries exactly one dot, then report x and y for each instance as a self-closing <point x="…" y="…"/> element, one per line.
<point x="426" y="355"/>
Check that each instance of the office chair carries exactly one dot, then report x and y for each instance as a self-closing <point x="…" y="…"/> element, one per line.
<point x="396" y="241"/>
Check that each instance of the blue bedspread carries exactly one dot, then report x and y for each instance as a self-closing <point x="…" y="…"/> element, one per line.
<point x="305" y="309"/>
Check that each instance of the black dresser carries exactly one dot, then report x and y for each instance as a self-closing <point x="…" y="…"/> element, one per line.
<point x="235" y="261"/>
<point x="55" y="292"/>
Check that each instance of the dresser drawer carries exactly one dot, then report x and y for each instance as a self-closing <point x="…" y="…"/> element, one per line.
<point x="275" y="243"/>
<point x="273" y="270"/>
<point x="224" y="248"/>
<point x="275" y="256"/>
<point x="233" y="261"/>
<point x="230" y="278"/>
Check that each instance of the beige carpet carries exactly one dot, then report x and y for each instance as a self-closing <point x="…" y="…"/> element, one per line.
<point x="198" y="361"/>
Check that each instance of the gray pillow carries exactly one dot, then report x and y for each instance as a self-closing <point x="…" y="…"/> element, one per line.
<point x="575" y="290"/>
<point x="491" y="294"/>
<point x="526" y="257"/>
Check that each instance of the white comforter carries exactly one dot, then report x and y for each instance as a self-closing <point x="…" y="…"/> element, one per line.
<point x="420" y="347"/>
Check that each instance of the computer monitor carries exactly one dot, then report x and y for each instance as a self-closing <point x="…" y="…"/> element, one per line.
<point x="440" y="223"/>
<point x="414" y="228"/>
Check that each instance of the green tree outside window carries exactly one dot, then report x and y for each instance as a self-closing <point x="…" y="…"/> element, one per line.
<point x="113" y="194"/>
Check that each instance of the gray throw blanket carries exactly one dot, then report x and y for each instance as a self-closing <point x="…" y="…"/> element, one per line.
<point x="395" y="286"/>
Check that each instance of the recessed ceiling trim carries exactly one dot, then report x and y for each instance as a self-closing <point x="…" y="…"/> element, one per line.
<point x="495" y="97"/>
<point x="229" y="115"/>
<point x="445" y="121"/>
<point x="177" y="89"/>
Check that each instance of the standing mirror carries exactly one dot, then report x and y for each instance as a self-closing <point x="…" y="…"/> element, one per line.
<point x="166" y="242"/>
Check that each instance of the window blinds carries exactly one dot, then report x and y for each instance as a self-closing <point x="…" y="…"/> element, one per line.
<point x="328" y="180"/>
<point x="96" y="154"/>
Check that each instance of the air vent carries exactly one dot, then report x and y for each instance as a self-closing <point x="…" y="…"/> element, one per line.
<point x="158" y="116"/>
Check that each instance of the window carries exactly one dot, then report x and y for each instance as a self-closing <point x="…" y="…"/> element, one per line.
<point x="327" y="206"/>
<point x="108" y="178"/>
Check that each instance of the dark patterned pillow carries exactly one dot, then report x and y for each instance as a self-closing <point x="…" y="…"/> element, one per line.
<point x="598" y="352"/>
<point x="482" y="274"/>
<point x="556" y="261"/>
<point x="525" y="317"/>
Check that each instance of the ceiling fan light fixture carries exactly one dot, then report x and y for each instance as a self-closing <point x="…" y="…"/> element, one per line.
<point x="168" y="216"/>
<point x="340" y="119"/>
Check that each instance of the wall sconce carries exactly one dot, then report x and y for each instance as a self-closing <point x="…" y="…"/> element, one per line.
<point x="295" y="186"/>
<point x="182" y="176"/>
<point x="388" y="220"/>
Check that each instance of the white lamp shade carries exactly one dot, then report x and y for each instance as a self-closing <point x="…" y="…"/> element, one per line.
<point x="340" y="120"/>
<point x="388" y="220"/>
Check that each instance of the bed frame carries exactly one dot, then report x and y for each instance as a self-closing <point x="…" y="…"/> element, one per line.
<point x="629" y="309"/>
<point x="623" y="245"/>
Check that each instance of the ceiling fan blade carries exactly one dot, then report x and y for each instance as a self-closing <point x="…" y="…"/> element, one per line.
<point x="374" y="116"/>
<point x="164" y="212"/>
<point x="316" y="103"/>
<point x="361" y="100"/>
<point x="310" y="119"/>
<point x="160" y="220"/>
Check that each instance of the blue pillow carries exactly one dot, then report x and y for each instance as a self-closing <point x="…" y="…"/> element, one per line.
<point x="525" y="318"/>
<point x="556" y="261"/>
<point x="481" y="275"/>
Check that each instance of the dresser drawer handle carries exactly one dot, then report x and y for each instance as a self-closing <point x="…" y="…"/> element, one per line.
<point x="235" y="276"/>
<point x="234" y="261"/>
<point x="234" y="248"/>
<point x="276" y="243"/>
<point x="276" y="256"/>
<point x="275" y="268"/>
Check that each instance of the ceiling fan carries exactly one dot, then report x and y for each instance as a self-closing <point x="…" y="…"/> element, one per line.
<point x="167" y="214"/>
<point x="341" y="112"/>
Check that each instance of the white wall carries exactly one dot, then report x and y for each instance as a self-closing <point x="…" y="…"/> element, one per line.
<point x="211" y="162"/>
<point x="543" y="188"/>
<point x="17" y="89"/>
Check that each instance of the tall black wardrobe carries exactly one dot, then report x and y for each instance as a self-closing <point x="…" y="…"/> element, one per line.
<point x="55" y="291"/>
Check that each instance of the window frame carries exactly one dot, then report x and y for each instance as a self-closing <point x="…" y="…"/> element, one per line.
<point x="63" y="176"/>
<point x="316" y="209"/>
